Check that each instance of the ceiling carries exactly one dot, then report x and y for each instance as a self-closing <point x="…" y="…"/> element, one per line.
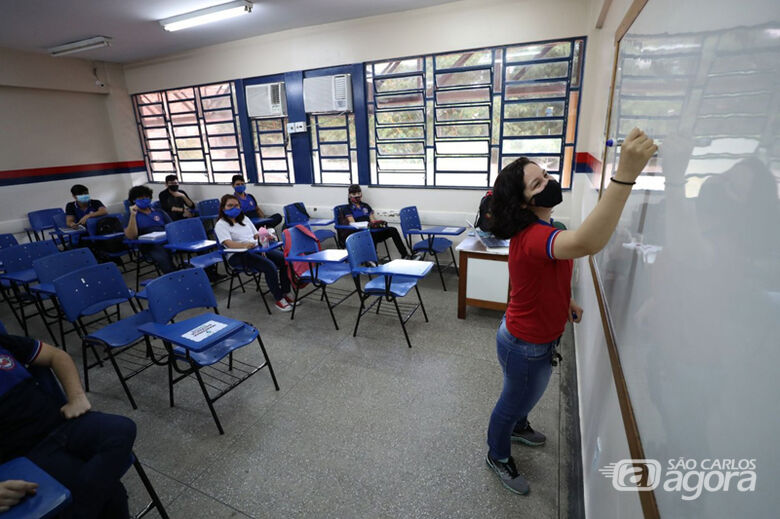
<point x="35" y="25"/>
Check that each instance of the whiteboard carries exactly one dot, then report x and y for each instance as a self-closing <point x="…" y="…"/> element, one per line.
<point x="691" y="277"/>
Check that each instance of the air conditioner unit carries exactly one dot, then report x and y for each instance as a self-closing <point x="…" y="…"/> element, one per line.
<point x="327" y="94"/>
<point x="267" y="100"/>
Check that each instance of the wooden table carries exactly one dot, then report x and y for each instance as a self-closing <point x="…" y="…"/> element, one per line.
<point x="484" y="277"/>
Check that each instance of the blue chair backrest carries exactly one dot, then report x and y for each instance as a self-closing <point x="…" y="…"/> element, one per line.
<point x="88" y="286"/>
<point x="300" y="243"/>
<point x="209" y="207"/>
<point x="59" y="221"/>
<point x="186" y="230"/>
<point x="173" y="293"/>
<point x="42" y="219"/>
<point x="127" y="205"/>
<point x="21" y="257"/>
<point x="7" y="240"/>
<point x="360" y="248"/>
<point x="293" y="215"/>
<point x="409" y="219"/>
<point x="51" y="267"/>
<point x="92" y="222"/>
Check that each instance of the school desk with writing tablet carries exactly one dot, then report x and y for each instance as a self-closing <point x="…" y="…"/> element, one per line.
<point x="687" y="280"/>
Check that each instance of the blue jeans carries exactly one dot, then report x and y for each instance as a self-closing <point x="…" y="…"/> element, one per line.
<point x="527" y="370"/>
<point x="89" y="455"/>
<point x="271" y="264"/>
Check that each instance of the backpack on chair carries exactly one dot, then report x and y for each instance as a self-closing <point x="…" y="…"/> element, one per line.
<point x="484" y="218"/>
<point x="296" y="269"/>
<point x="109" y="225"/>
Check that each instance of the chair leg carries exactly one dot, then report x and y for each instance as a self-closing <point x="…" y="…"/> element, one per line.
<point x="85" y="363"/>
<point x="360" y="314"/>
<point x="330" y="308"/>
<point x="403" y="325"/>
<point x="156" y="503"/>
<point x="421" y="303"/>
<point x="262" y="294"/>
<point x="208" y="399"/>
<point x="295" y="301"/>
<point x="121" y="378"/>
<point x="268" y="362"/>
<point x="171" y="360"/>
<point x="42" y="312"/>
<point x="438" y="267"/>
<point x="454" y="263"/>
<point x="11" y="306"/>
<point x="230" y="289"/>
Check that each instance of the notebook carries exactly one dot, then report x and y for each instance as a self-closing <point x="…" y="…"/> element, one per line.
<point x="490" y="242"/>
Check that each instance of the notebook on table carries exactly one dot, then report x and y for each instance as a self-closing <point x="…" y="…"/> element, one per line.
<point x="490" y="242"/>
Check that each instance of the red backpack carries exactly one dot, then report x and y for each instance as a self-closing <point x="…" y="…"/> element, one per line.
<point x="298" y="267"/>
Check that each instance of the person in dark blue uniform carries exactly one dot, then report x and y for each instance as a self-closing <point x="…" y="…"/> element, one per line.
<point x="143" y="220"/>
<point x="249" y="205"/>
<point x="82" y="208"/>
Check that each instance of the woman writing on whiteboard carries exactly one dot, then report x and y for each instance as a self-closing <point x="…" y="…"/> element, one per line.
<point x="540" y="302"/>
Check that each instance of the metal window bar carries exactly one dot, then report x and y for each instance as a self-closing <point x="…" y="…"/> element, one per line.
<point x="235" y="133"/>
<point x="260" y="147"/>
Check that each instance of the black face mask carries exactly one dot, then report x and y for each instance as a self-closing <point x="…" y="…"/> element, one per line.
<point x="173" y="188"/>
<point x="550" y="196"/>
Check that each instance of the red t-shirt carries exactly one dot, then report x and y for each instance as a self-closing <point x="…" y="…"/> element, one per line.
<point x="541" y="285"/>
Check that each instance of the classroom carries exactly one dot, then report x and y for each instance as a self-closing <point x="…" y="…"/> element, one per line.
<point x="399" y="259"/>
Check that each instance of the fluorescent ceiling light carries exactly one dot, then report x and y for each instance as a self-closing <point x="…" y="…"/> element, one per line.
<point x="208" y="15"/>
<point x="80" y="46"/>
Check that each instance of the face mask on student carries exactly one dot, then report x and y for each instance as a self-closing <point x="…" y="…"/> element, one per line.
<point x="82" y="199"/>
<point x="550" y="196"/>
<point x="173" y="188"/>
<point x="241" y="188"/>
<point x="233" y="212"/>
<point x="356" y="199"/>
<point x="143" y="203"/>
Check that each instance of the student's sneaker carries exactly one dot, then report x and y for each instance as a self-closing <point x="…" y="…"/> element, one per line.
<point x="283" y="306"/>
<point x="507" y="473"/>
<point x="416" y="256"/>
<point x="528" y="436"/>
<point x="291" y="300"/>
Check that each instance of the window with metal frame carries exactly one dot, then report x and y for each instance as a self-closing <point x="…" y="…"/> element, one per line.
<point x="192" y="132"/>
<point x="273" y="154"/>
<point x="455" y="119"/>
<point x="334" y="148"/>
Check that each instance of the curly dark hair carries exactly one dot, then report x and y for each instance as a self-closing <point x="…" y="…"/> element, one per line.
<point x="239" y="219"/>
<point x="139" y="192"/>
<point x="508" y="206"/>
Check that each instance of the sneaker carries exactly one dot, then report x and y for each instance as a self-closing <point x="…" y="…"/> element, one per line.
<point x="507" y="473"/>
<point x="283" y="306"/>
<point x="291" y="300"/>
<point x="416" y="256"/>
<point x="528" y="436"/>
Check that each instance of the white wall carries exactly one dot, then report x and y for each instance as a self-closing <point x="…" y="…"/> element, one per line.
<point x="54" y="115"/>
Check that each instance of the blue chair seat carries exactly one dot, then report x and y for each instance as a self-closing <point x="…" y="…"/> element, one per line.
<point x="23" y="276"/>
<point x="102" y="305"/>
<point x="44" y="289"/>
<point x="399" y="286"/>
<point x="241" y="337"/>
<point x="439" y="245"/>
<point x="327" y="273"/>
<point x="324" y="234"/>
<point x="206" y="260"/>
<point x="192" y="246"/>
<point x="124" y="332"/>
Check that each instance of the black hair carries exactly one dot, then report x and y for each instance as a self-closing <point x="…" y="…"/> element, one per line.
<point x="239" y="219"/>
<point x="354" y="188"/>
<point x="168" y="178"/>
<point x="138" y="192"/>
<point x="236" y="178"/>
<point x="78" y="189"/>
<point x="508" y="205"/>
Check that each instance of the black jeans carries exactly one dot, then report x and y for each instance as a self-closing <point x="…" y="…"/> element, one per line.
<point x="89" y="455"/>
<point x="272" y="265"/>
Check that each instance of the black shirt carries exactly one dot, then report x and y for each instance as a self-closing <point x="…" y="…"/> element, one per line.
<point x="27" y="413"/>
<point x="74" y="209"/>
<point x="168" y="202"/>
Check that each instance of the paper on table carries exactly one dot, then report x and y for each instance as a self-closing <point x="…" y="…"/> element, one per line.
<point x="203" y="331"/>
<point x="450" y="229"/>
<point x="360" y="225"/>
<point x="152" y="235"/>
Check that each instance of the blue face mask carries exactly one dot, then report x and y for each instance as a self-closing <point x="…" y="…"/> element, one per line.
<point x="240" y="189"/>
<point x="143" y="203"/>
<point x="233" y="212"/>
<point x="82" y="199"/>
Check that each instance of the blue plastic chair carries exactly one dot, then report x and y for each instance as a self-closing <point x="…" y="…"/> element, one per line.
<point x="235" y="272"/>
<point x="410" y="219"/>
<point x="62" y="234"/>
<point x="90" y="290"/>
<point x="188" y="238"/>
<point x="362" y="254"/>
<point x="50" y="498"/>
<point x="188" y="289"/>
<point x="340" y="213"/>
<point x="49" y="268"/>
<point x="321" y="276"/>
<point x="15" y="282"/>
<point x="7" y="240"/>
<point x="40" y="221"/>
<point x="294" y="216"/>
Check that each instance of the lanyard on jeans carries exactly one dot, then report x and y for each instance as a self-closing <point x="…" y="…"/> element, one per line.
<point x="556" y="357"/>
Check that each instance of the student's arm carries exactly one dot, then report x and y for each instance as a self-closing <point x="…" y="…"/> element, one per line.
<point x="14" y="490"/>
<point x="131" y="231"/>
<point x="189" y="203"/>
<point x="595" y="231"/>
<point x="65" y="371"/>
<point x="70" y="221"/>
<point x="102" y="211"/>
<point x="222" y="231"/>
<point x="260" y="213"/>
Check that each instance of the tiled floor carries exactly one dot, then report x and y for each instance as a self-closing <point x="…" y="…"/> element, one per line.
<point x="362" y="427"/>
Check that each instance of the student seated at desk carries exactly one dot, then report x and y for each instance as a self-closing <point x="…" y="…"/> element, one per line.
<point x="144" y="220"/>
<point x="82" y="208"/>
<point x="86" y="451"/>
<point x="249" y="204"/>
<point x="360" y="211"/>
<point x="234" y="230"/>
<point x="174" y="201"/>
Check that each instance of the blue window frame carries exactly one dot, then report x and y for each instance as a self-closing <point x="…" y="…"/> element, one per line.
<point x="191" y="131"/>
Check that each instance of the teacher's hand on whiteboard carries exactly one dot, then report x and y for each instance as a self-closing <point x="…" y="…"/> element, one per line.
<point x="636" y="151"/>
<point x="575" y="312"/>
